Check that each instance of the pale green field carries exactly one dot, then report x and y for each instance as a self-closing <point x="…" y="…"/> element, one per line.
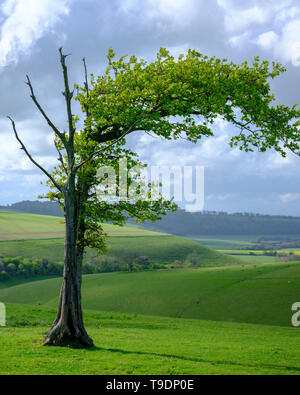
<point x="31" y="226"/>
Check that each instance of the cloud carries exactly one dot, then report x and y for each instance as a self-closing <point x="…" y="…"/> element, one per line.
<point x="254" y="180"/>
<point x="178" y="10"/>
<point x="289" y="197"/>
<point x="25" y="21"/>
<point x="271" y="25"/>
<point x="289" y="45"/>
<point x="237" y="20"/>
<point x="13" y="159"/>
<point x="267" y="40"/>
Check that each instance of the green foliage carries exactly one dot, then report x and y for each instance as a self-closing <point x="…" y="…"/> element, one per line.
<point x="180" y="97"/>
<point x="27" y="268"/>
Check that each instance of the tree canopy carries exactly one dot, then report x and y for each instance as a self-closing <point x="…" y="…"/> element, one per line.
<point x="182" y="98"/>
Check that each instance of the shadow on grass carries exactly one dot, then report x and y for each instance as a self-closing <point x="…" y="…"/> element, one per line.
<point x="199" y="360"/>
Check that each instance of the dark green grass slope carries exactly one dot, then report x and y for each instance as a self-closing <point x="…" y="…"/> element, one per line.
<point x="128" y="344"/>
<point x="250" y="294"/>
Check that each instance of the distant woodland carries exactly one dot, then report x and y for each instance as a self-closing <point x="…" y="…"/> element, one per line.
<point x="35" y="207"/>
<point x="183" y="223"/>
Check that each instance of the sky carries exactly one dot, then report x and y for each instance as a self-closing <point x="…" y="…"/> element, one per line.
<point x="31" y="31"/>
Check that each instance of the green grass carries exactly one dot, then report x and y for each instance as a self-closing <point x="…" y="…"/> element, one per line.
<point x="255" y="259"/>
<point x="260" y="294"/>
<point x="35" y="236"/>
<point x="20" y="226"/>
<point x="129" y="344"/>
<point x="160" y="249"/>
<point x="225" y="242"/>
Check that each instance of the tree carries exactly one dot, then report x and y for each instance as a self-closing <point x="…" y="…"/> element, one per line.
<point x="169" y="98"/>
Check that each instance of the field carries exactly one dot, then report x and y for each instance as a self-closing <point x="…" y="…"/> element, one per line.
<point x="19" y="226"/>
<point x="44" y="243"/>
<point x="225" y="242"/>
<point x="223" y="318"/>
<point x="130" y="344"/>
<point x="261" y="294"/>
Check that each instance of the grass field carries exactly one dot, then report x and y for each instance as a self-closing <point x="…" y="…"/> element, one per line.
<point x="20" y="226"/>
<point x="224" y="318"/>
<point x="234" y="242"/>
<point x="261" y="294"/>
<point x="159" y="248"/>
<point x="130" y="344"/>
<point x="35" y="236"/>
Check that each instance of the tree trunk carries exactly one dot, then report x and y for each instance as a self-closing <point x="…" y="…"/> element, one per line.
<point x="68" y="329"/>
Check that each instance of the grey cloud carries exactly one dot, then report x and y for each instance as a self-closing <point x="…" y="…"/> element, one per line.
<point x="253" y="182"/>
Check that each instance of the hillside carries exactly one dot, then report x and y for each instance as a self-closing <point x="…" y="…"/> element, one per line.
<point x="35" y="207"/>
<point x="183" y="223"/>
<point x="253" y="294"/>
<point x="18" y="226"/>
<point x="36" y="237"/>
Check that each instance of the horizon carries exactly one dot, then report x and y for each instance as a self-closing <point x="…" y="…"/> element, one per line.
<point x="245" y="213"/>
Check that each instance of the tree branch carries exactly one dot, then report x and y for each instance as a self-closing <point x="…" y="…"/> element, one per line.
<point x="60" y="158"/>
<point x="67" y="94"/>
<point x="50" y="123"/>
<point x="59" y="187"/>
<point x="86" y="86"/>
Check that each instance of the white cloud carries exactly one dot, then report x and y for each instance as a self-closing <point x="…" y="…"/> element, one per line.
<point x="275" y="161"/>
<point x="238" y="20"/>
<point x="289" y="197"/>
<point x="267" y="40"/>
<point x="25" y="22"/>
<point x="13" y="159"/>
<point x="272" y="25"/>
<point x="240" y="40"/>
<point x="289" y="45"/>
<point x="177" y="10"/>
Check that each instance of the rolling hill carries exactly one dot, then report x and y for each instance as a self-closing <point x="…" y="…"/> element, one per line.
<point x="20" y="226"/>
<point x="212" y="320"/>
<point x="253" y="294"/>
<point x="38" y="236"/>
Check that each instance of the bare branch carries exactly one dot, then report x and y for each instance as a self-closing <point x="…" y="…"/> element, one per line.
<point x="60" y="158"/>
<point x="59" y="187"/>
<point x="86" y="84"/>
<point x="50" y="123"/>
<point x="67" y="94"/>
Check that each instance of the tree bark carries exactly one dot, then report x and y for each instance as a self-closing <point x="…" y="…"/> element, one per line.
<point x="68" y="328"/>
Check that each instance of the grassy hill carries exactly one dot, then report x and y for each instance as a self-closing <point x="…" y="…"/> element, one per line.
<point x="260" y="294"/>
<point x="130" y="344"/>
<point x="18" y="226"/>
<point x="38" y="236"/>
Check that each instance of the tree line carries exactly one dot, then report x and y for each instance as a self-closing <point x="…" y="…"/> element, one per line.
<point x="183" y="223"/>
